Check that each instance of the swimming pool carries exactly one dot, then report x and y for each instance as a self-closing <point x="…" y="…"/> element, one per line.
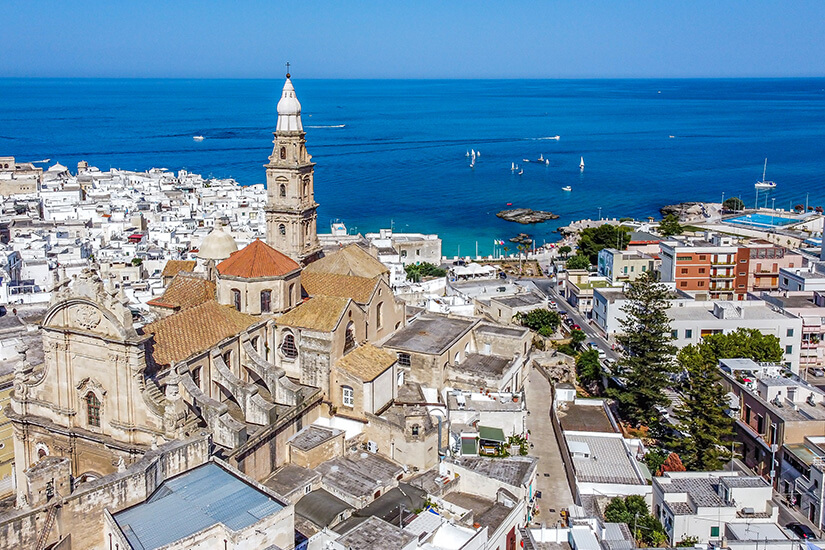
<point x="762" y="220"/>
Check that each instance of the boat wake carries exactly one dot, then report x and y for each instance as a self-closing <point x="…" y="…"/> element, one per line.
<point x="555" y="138"/>
<point x="331" y="126"/>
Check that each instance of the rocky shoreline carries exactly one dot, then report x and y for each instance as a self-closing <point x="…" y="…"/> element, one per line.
<point x="526" y="215"/>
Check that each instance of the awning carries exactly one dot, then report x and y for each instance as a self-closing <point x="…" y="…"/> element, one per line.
<point x="491" y="434"/>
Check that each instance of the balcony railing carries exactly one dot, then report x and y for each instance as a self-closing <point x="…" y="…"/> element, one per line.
<point x="721" y="276"/>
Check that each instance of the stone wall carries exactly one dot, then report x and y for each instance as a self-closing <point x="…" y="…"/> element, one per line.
<point x="80" y="514"/>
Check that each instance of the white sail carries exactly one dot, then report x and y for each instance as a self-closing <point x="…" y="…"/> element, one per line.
<point x="478" y="153"/>
<point x="512" y="166"/>
<point x="581" y="164"/>
<point x="468" y="154"/>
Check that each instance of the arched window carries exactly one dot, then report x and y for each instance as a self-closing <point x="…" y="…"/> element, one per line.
<point x="347" y="396"/>
<point x="92" y="409"/>
<point x="227" y="358"/>
<point x="282" y="190"/>
<point x="379" y="315"/>
<point x="467" y="349"/>
<point x="288" y="346"/>
<point x="457" y="358"/>
<point x="349" y="337"/>
<point x="283" y="153"/>
<point x="256" y="344"/>
<point x="236" y="298"/>
<point x="282" y="229"/>
<point x="289" y="296"/>
<point x="196" y="376"/>
<point x="266" y="301"/>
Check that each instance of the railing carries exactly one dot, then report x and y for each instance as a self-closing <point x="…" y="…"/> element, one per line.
<point x="722" y="276"/>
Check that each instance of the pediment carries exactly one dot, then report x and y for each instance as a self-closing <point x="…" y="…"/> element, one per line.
<point x="86" y="316"/>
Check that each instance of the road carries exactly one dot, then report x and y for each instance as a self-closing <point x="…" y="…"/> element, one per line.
<point x="548" y="287"/>
<point x="551" y="479"/>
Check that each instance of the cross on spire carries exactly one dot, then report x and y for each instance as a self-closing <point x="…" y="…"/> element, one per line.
<point x="287" y="69"/>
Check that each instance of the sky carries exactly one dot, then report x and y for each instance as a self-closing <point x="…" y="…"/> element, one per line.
<point x="413" y="39"/>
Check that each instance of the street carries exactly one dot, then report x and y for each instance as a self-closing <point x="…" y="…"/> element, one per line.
<point x="551" y="479"/>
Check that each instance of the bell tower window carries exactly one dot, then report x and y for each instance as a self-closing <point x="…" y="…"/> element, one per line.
<point x="282" y="191"/>
<point x="92" y="410"/>
<point x="283" y="153"/>
<point x="282" y="229"/>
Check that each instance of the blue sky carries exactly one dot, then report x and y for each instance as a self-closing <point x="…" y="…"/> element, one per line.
<point x="413" y="39"/>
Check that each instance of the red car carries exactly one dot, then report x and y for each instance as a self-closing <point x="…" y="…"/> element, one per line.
<point x="576" y="327"/>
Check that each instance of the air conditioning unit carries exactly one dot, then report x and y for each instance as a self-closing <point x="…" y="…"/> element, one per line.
<point x="372" y="447"/>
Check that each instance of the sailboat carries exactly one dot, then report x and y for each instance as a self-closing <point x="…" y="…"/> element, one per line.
<point x="547" y="162"/>
<point x="468" y="154"/>
<point x="512" y="166"/>
<point x="581" y="164"/>
<point x="478" y="153"/>
<point x="541" y="158"/>
<point x="765" y="184"/>
<point x="520" y="172"/>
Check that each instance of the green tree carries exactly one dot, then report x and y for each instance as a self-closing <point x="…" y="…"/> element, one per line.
<point x="670" y="226"/>
<point x="579" y="261"/>
<point x="701" y="415"/>
<point x="647" y="359"/>
<point x="565" y="250"/>
<point x="588" y="367"/>
<point x="734" y="203"/>
<point x="137" y="261"/>
<point x="743" y="342"/>
<point x="543" y="321"/>
<point x="593" y="239"/>
<point x="578" y="337"/>
<point x="633" y="511"/>
<point x="416" y="272"/>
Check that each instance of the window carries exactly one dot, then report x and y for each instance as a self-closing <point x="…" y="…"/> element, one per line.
<point x="282" y="190"/>
<point x="683" y="283"/>
<point x="788" y="350"/>
<point x="789" y="333"/>
<point x="256" y="343"/>
<point x="700" y="283"/>
<point x="701" y="270"/>
<point x="236" y="298"/>
<point x="196" y="376"/>
<point x="403" y="253"/>
<point x="307" y="489"/>
<point x="92" y="409"/>
<point x="349" y="337"/>
<point x="347" y="397"/>
<point x="415" y="429"/>
<point x="288" y="346"/>
<point x="714" y="531"/>
<point x="688" y="333"/>
<point x="227" y="358"/>
<point x="283" y="153"/>
<point x="379" y="315"/>
<point x="674" y="334"/>
<point x="281" y="229"/>
<point x="684" y="271"/>
<point x="702" y="257"/>
<point x="266" y="301"/>
<point x="289" y="296"/>
<point x="403" y="359"/>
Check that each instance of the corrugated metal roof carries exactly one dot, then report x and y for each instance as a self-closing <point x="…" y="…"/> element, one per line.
<point x="195" y="500"/>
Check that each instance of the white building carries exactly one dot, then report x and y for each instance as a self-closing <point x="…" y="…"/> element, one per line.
<point x="699" y="505"/>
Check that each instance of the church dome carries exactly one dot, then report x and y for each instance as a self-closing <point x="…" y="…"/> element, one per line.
<point x="289" y="110"/>
<point x="218" y="245"/>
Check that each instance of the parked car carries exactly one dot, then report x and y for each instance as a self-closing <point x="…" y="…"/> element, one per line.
<point x="816" y="371"/>
<point x="602" y="354"/>
<point x="576" y="327"/>
<point x="568" y="321"/>
<point x="801" y="530"/>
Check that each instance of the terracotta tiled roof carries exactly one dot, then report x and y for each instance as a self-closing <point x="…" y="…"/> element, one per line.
<point x="321" y="313"/>
<point x="258" y="259"/>
<point x="185" y="291"/>
<point x="194" y="330"/>
<point x="350" y="260"/>
<point x="366" y="362"/>
<point x="173" y="267"/>
<point x="359" y="289"/>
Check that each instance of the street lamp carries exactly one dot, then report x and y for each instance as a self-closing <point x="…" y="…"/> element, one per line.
<point x="600" y="213"/>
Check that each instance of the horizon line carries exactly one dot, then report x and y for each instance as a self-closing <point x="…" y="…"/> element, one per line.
<point x="796" y="77"/>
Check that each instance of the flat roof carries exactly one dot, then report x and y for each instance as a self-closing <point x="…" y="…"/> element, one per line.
<point x="608" y="462"/>
<point x="483" y="365"/>
<point x="375" y="533"/>
<point x="321" y="507"/>
<point x="514" y="470"/>
<point x="500" y="330"/>
<point x="519" y="300"/>
<point x="195" y="500"/>
<point x="312" y="436"/>
<point x="290" y="478"/>
<point x="430" y="334"/>
<point x="585" y="418"/>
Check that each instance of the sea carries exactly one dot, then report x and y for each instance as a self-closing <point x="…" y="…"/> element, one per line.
<point x="393" y="153"/>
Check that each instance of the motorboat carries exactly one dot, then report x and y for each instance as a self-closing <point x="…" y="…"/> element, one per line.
<point x="566" y="188"/>
<point x="197" y="138"/>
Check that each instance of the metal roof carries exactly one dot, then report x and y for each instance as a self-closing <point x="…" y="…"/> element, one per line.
<point x="196" y="500"/>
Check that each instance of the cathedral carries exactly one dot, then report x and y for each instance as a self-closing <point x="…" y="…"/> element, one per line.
<point x="242" y="347"/>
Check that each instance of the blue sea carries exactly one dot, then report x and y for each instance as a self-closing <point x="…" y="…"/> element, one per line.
<point x="392" y="152"/>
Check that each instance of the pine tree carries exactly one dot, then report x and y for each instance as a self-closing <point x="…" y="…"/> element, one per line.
<point x="648" y="352"/>
<point x="702" y="417"/>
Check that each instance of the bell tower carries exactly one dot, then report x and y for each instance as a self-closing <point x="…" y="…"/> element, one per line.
<point x="291" y="216"/>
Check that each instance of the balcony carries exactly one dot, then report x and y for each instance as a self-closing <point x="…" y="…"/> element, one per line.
<point x="722" y="276"/>
<point x="715" y="263"/>
<point x="815" y="329"/>
<point x="810" y="344"/>
<point x="766" y="273"/>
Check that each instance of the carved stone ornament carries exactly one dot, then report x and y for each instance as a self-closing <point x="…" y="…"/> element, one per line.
<point x="87" y="317"/>
<point x="90" y="384"/>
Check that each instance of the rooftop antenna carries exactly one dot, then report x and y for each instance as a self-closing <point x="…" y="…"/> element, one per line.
<point x="287" y="69"/>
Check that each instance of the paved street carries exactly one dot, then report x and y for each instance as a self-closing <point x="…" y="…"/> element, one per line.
<point x="551" y="480"/>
